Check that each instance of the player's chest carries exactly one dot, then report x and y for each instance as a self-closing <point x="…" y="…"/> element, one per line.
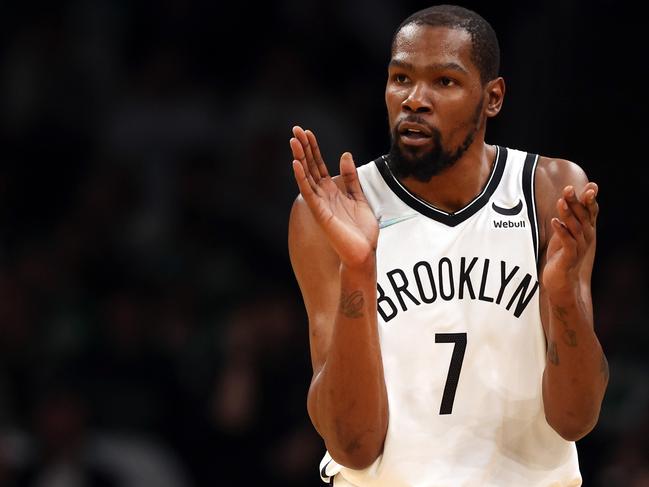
<point x="425" y="269"/>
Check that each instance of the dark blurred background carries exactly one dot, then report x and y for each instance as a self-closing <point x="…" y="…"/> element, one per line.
<point x="151" y="331"/>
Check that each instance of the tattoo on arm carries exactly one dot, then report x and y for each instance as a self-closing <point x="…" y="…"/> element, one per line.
<point x="560" y="314"/>
<point x="553" y="355"/>
<point x="604" y="368"/>
<point x="569" y="336"/>
<point x="351" y="305"/>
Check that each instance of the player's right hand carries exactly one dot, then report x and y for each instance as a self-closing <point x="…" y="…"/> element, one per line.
<point x="342" y="212"/>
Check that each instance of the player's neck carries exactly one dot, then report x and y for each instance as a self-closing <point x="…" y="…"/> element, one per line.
<point x="457" y="185"/>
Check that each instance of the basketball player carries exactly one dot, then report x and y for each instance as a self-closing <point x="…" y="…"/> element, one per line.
<point x="447" y="284"/>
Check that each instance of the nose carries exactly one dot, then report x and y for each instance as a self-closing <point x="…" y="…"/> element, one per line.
<point x="418" y="100"/>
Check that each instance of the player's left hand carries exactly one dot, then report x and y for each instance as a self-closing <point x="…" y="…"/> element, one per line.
<point x="572" y="243"/>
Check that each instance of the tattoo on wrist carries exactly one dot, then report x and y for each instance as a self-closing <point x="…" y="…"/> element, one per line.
<point x="553" y="354"/>
<point x="351" y="305"/>
<point x="604" y="368"/>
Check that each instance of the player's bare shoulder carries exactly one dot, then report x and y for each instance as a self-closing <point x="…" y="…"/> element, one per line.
<point x="306" y="239"/>
<point x="557" y="173"/>
<point x="552" y="176"/>
<point x="312" y="257"/>
<point x="302" y="224"/>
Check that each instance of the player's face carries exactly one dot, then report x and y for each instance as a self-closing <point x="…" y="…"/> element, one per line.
<point x="435" y="99"/>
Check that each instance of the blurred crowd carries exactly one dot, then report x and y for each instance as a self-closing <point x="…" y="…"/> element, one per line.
<point x="151" y="330"/>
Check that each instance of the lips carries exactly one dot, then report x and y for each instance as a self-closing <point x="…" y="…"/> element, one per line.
<point x="414" y="133"/>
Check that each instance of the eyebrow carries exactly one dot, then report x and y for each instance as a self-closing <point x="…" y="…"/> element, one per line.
<point x="430" y="67"/>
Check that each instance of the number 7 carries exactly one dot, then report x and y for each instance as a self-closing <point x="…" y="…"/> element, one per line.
<point x="459" y="339"/>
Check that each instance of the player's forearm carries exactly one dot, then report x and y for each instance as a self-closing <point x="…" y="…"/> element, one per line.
<point x="576" y="373"/>
<point x="347" y="399"/>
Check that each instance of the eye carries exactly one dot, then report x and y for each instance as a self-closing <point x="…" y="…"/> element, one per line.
<point x="446" y="81"/>
<point x="400" y="78"/>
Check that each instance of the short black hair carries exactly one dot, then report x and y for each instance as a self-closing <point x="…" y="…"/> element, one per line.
<point x="485" y="52"/>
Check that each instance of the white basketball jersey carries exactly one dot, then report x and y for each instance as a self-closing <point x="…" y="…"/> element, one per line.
<point x="461" y="339"/>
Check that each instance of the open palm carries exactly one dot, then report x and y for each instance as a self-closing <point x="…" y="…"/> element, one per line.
<point x="341" y="210"/>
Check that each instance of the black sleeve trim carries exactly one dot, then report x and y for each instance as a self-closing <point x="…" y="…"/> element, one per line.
<point x="529" y="173"/>
<point x="323" y="474"/>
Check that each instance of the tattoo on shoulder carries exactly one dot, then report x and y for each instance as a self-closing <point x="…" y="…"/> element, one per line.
<point x="351" y="304"/>
<point x="604" y="368"/>
<point x="553" y="354"/>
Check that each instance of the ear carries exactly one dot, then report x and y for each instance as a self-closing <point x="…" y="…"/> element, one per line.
<point x="495" y="93"/>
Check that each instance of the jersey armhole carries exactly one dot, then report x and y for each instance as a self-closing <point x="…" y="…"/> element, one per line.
<point x="529" y="175"/>
<point x="327" y="479"/>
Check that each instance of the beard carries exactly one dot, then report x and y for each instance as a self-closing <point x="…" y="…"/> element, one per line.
<point x="423" y="165"/>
